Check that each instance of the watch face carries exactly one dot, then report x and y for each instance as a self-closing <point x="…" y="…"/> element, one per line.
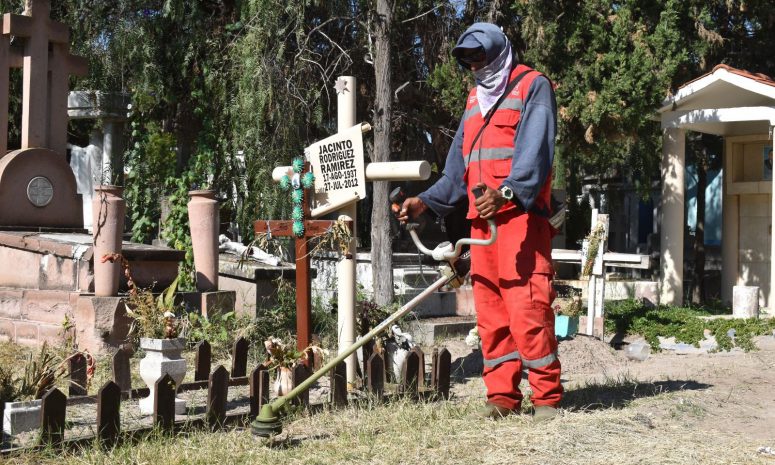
<point x="507" y="193"/>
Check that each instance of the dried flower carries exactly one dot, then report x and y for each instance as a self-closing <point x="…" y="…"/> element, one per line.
<point x="154" y="317"/>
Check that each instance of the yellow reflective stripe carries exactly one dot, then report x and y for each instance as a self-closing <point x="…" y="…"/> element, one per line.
<point x="540" y="362"/>
<point x="503" y="358"/>
<point x="508" y="104"/>
<point x="489" y="154"/>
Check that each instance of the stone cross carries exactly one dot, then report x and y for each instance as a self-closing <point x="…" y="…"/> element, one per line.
<point x="37" y="186"/>
<point x="45" y="81"/>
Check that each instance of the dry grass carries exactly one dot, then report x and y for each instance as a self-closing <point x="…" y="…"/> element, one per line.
<point x="655" y="428"/>
<point x="610" y="420"/>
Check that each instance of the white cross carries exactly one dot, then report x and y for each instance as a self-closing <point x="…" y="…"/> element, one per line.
<point x="596" y="287"/>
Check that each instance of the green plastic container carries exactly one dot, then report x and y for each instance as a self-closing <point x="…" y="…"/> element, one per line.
<point x="565" y="326"/>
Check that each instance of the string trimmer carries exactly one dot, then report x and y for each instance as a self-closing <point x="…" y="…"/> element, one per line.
<point x="269" y="421"/>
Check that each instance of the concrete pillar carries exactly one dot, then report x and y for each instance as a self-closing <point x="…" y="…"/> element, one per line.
<point x="769" y="299"/>
<point x="730" y="228"/>
<point x="673" y="216"/>
<point x="113" y="150"/>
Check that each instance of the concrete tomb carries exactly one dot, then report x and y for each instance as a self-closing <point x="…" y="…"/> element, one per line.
<point x="47" y="277"/>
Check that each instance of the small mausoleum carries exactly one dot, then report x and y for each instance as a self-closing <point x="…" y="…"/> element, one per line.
<point x="740" y="107"/>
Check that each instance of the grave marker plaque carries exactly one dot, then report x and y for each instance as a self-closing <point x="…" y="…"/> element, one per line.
<point x="340" y="175"/>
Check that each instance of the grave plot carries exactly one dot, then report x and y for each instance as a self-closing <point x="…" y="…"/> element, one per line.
<point x="215" y="398"/>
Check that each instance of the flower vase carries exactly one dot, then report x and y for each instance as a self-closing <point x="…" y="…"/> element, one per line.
<point x="565" y="326"/>
<point x="284" y="382"/>
<point x="204" y="221"/>
<point x="108" y="209"/>
<point x="162" y="357"/>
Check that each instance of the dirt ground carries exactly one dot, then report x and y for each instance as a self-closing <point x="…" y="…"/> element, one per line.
<point x="726" y="393"/>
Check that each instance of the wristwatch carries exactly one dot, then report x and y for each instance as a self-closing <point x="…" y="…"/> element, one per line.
<point x="507" y="193"/>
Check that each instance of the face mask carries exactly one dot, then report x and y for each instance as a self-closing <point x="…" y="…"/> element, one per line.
<point x="489" y="76"/>
<point x="492" y="79"/>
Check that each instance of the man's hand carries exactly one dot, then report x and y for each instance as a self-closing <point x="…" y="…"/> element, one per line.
<point x="490" y="202"/>
<point x="412" y="208"/>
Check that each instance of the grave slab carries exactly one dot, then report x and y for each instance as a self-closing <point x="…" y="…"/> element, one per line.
<point x="429" y="331"/>
<point x="253" y="282"/>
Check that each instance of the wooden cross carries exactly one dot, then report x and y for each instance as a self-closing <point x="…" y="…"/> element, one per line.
<point x="45" y="84"/>
<point x="312" y="229"/>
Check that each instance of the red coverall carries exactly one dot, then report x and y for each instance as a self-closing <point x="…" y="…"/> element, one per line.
<point x="512" y="279"/>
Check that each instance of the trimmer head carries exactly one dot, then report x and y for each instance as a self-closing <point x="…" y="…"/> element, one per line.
<point x="266" y="429"/>
<point x="267" y="423"/>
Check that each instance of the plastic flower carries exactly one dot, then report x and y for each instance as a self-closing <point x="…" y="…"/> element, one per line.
<point x="285" y="182"/>
<point x="297" y="196"/>
<point x="298" y="228"/>
<point x="298" y="165"/>
<point x="308" y="180"/>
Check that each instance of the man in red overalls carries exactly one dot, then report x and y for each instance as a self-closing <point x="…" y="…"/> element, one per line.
<point x="505" y="147"/>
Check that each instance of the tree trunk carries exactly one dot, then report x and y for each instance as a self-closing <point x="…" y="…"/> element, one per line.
<point x="493" y="12"/>
<point x="469" y="13"/>
<point x="381" y="242"/>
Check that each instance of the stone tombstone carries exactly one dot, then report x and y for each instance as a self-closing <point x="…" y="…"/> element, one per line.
<point x="37" y="186"/>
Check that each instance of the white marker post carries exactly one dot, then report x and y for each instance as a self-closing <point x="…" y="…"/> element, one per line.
<point x="345" y="270"/>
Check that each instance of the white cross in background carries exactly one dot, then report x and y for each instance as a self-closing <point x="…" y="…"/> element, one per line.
<point x="602" y="259"/>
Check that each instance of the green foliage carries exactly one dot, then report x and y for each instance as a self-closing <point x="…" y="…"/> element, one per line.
<point x="572" y="307"/>
<point x="154" y="317"/>
<point x="685" y="324"/>
<point x="283" y="353"/>
<point x="176" y="231"/>
<point x="369" y="314"/>
<point x="279" y="320"/>
<point x="597" y="53"/>
<point x="451" y="84"/>
<point x="7" y="384"/>
<point x="212" y="79"/>
<point x="151" y="161"/>
<point x="220" y="331"/>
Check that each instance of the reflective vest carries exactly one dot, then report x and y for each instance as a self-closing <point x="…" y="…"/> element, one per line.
<point x="490" y="160"/>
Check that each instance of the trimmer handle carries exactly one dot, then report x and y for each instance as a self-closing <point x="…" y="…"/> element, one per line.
<point x="450" y="252"/>
<point x="397" y="197"/>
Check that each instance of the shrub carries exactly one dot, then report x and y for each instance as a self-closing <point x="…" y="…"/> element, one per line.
<point x="686" y="324"/>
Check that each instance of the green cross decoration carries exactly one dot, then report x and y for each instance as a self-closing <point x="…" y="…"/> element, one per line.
<point x="297" y="183"/>
<point x="302" y="230"/>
